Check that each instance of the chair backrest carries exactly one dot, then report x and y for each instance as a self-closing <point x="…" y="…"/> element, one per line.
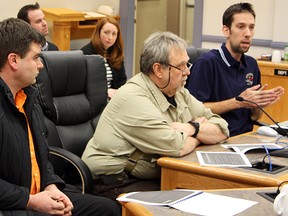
<point x="73" y="93"/>
<point x="195" y="53"/>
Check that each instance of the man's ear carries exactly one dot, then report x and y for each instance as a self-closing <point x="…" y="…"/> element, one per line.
<point x="13" y="60"/>
<point x="226" y="31"/>
<point x="157" y="69"/>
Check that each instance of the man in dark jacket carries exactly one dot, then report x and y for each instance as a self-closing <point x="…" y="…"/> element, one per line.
<point x="28" y="185"/>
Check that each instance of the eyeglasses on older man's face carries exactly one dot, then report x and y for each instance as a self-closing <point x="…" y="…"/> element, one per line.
<point x="188" y="67"/>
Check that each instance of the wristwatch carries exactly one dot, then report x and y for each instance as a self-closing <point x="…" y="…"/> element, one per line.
<point x="196" y="125"/>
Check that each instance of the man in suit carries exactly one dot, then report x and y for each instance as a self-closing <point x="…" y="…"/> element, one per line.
<point x="33" y="15"/>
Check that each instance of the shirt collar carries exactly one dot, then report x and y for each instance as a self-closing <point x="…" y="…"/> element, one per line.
<point x="228" y="59"/>
<point x="45" y="47"/>
<point x="157" y="94"/>
<point x="20" y="99"/>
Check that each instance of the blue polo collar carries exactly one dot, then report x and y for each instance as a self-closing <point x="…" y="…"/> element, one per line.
<point x="228" y="58"/>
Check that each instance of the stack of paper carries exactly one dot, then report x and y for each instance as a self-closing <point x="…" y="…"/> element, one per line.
<point x="246" y="147"/>
<point x="223" y="159"/>
<point x="191" y="201"/>
<point x="232" y="159"/>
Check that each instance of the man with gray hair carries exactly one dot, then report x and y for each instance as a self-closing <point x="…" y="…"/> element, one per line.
<point x="152" y="115"/>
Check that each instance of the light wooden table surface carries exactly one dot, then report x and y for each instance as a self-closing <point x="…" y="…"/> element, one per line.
<point x="186" y="172"/>
<point x="263" y="207"/>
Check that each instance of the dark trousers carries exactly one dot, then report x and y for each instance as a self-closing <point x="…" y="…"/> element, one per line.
<point x="131" y="184"/>
<point x="84" y="205"/>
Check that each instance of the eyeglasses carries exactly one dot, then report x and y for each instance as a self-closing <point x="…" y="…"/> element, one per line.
<point x="188" y="67"/>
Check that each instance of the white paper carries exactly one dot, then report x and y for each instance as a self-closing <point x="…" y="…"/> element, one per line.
<point x="211" y="204"/>
<point x="283" y="124"/>
<point x="164" y="198"/>
<point x="246" y="147"/>
<point x="198" y="202"/>
<point x="223" y="159"/>
<point x="90" y="14"/>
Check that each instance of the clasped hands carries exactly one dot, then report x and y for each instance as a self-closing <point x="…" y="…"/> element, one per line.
<point x="51" y="201"/>
<point x="261" y="96"/>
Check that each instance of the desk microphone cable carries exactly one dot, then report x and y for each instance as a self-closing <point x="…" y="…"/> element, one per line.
<point x="269" y="158"/>
<point x="278" y="141"/>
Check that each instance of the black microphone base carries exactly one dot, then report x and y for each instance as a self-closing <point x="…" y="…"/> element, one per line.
<point x="281" y="131"/>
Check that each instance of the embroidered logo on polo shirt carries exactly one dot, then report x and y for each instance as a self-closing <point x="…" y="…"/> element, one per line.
<point x="249" y="79"/>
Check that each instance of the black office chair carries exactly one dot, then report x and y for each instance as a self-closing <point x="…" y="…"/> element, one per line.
<point x="73" y="93"/>
<point x="195" y="53"/>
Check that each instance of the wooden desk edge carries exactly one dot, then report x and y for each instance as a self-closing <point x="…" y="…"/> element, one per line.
<point x="134" y="209"/>
<point x="282" y="64"/>
<point x="221" y="173"/>
<point x="63" y="14"/>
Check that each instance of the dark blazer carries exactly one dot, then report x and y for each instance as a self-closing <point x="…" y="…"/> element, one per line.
<point x="15" y="161"/>
<point x="52" y="47"/>
<point x="119" y="76"/>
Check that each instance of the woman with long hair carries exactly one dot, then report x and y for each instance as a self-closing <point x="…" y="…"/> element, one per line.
<point x="107" y="41"/>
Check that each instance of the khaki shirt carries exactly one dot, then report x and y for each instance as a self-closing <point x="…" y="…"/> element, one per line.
<point x="138" y="116"/>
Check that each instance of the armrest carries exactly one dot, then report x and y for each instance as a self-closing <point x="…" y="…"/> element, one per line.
<point x="82" y="168"/>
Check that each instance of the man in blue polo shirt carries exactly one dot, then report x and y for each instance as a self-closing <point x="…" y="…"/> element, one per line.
<point x="220" y="75"/>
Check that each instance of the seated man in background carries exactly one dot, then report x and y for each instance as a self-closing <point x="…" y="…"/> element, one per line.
<point x="152" y="115"/>
<point x="28" y="185"/>
<point x="217" y="77"/>
<point x="33" y="15"/>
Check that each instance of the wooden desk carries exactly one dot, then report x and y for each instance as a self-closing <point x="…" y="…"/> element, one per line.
<point x="186" y="172"/>
<point x="263" y="207"/>
<point x="70" y="24"/>
<point x="279" y="110"/>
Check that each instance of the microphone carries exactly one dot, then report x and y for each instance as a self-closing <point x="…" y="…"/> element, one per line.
<point x="279" y="129"/>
